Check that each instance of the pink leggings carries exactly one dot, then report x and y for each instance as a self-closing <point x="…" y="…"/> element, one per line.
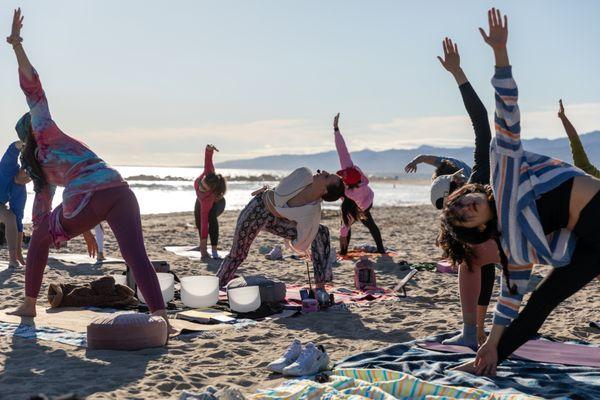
<point x="119" y="207"/>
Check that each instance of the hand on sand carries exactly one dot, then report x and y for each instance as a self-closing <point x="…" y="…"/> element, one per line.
<point x="498" y="32"/>
<point x="451" y="60"/>
<point x="91" y="244"/>
<point x="486" y="359"/>
<point x="26" y="309"/>
<point x="17" y="24"/>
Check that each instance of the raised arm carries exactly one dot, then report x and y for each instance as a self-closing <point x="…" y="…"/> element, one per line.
<point x="475" y="109"/>
<point x="429" y="159"/>
<point x="208" y="158"/>
<point x="29" y="79"/>
<point x="16" y="41"/>
<point x="580" y="158"/>
<point x="340" y="145"/>
<point x="507" y="117"/>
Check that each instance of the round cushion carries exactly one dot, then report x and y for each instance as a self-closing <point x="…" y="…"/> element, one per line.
<point x="127" y="332"/>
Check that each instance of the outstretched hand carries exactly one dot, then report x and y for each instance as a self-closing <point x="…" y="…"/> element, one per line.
<point x="17" y="24"/>
<point x="561" y="110"/>
<point x="498" y="30"/>
<point x="336" y="119"/>
<point x="411" y="167"/>
<point x="451" y="60"/>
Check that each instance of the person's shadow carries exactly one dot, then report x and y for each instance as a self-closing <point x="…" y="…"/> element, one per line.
<point x="31" y="367"/>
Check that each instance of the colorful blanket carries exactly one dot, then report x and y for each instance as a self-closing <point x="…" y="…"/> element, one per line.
<point x="377" y="384"/>
<point x="533" y="378"/>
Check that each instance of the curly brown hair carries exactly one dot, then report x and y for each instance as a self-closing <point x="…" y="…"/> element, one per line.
<point x="455" y="241"/>
<point x="216" y="183"/>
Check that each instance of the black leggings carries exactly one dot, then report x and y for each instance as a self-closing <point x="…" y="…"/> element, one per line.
<point x="488" y="276"/>
<point x="560" y="284"/>
<point x="369" y="222"/>
<point x="213" y="222"/>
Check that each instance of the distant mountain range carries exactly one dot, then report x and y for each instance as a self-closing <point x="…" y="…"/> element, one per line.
<point x="392" y="162"/>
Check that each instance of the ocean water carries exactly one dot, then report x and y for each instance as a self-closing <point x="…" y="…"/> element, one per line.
<point x="170" y="189"/>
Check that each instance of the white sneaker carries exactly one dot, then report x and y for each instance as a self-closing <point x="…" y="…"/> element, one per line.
<point x="290" y="355"/>
<point x="275" y="254"/>
<point x="311" y="361"/>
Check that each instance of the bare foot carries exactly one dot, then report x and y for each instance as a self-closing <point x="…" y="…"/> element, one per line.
<point x="24" y="310"/>
<point x="468" y="367"/>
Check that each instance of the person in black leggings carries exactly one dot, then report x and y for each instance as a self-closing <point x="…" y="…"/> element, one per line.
<point x="561" y="283"/>
<point x="351" y="213"/>
<point x="475" y="292"/>
<point x="213" y="221"/>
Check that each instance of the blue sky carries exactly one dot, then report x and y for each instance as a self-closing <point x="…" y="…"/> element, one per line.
<point x="150" y="82"/>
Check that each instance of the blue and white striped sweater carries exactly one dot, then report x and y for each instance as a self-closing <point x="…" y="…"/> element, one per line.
<point x="519" y="178"/>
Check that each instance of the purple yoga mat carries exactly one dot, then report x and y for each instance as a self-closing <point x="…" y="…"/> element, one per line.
<point x="538" y="350"/>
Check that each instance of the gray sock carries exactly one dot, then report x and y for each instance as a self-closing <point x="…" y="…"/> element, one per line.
<point x="468" y="337"/>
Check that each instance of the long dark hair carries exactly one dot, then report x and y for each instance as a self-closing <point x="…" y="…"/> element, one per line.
<point x="334" y="191"/>
<point x="455" y="241"/>
<point x="31" y="164"/>
<point x="216" y="183"/>
<point x="350" y="211"/>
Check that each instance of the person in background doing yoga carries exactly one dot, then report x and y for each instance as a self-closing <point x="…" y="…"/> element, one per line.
<point x="210" y="203"/>
<point x="13" y="192"/>
<point x="358" y="196"/>
<point x="539" y="210"/>
<point x="476" y="270"/>
<point x="93" y="192"/>
<point x="291" y="210"/>
<point x="580" y="158"/>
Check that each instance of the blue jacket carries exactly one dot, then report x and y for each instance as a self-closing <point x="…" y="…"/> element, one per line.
<point x="10" y="192"/>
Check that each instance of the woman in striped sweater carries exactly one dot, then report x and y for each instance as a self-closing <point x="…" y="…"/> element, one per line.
<point x="540" y="211"/>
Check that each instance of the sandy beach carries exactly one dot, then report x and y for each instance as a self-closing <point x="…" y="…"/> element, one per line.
<point x="237" y="358"/>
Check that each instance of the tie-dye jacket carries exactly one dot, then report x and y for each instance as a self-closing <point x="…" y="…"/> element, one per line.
<point x="65" y="161"/>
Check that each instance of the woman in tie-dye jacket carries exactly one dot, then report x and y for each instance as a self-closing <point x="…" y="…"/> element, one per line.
<point x="94" y="192"/>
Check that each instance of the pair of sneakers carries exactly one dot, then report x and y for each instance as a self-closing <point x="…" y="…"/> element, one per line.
<point x="301" y="360"/>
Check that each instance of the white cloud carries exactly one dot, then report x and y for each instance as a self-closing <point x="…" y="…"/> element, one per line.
<point x="184" y="146"/>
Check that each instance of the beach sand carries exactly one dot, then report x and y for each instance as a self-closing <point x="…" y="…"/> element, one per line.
<point x="237" y="358"/>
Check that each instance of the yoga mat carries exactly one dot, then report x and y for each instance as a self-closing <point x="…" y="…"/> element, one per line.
<point x="3" y="265"/>
<point x="354" y="254"/>
<point x="81" y="259"/>
<point x="189" y="252"/>
<point x="77" y="319"/>
<point x="539" y="350"/>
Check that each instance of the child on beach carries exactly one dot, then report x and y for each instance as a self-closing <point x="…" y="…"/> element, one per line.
<point x="93" y="192"/>
<point x="358" y="196"/>
<point x="210" y="203"/>
<point x="291" y="210"/>
<point x="539" y="210"/>
<point x="13" y="193"/>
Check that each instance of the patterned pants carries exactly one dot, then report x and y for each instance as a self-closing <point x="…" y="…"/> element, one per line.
<point x="256" y="217"/>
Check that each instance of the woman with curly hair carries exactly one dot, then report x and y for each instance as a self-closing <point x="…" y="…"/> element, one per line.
<point x="539" y="210"/>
